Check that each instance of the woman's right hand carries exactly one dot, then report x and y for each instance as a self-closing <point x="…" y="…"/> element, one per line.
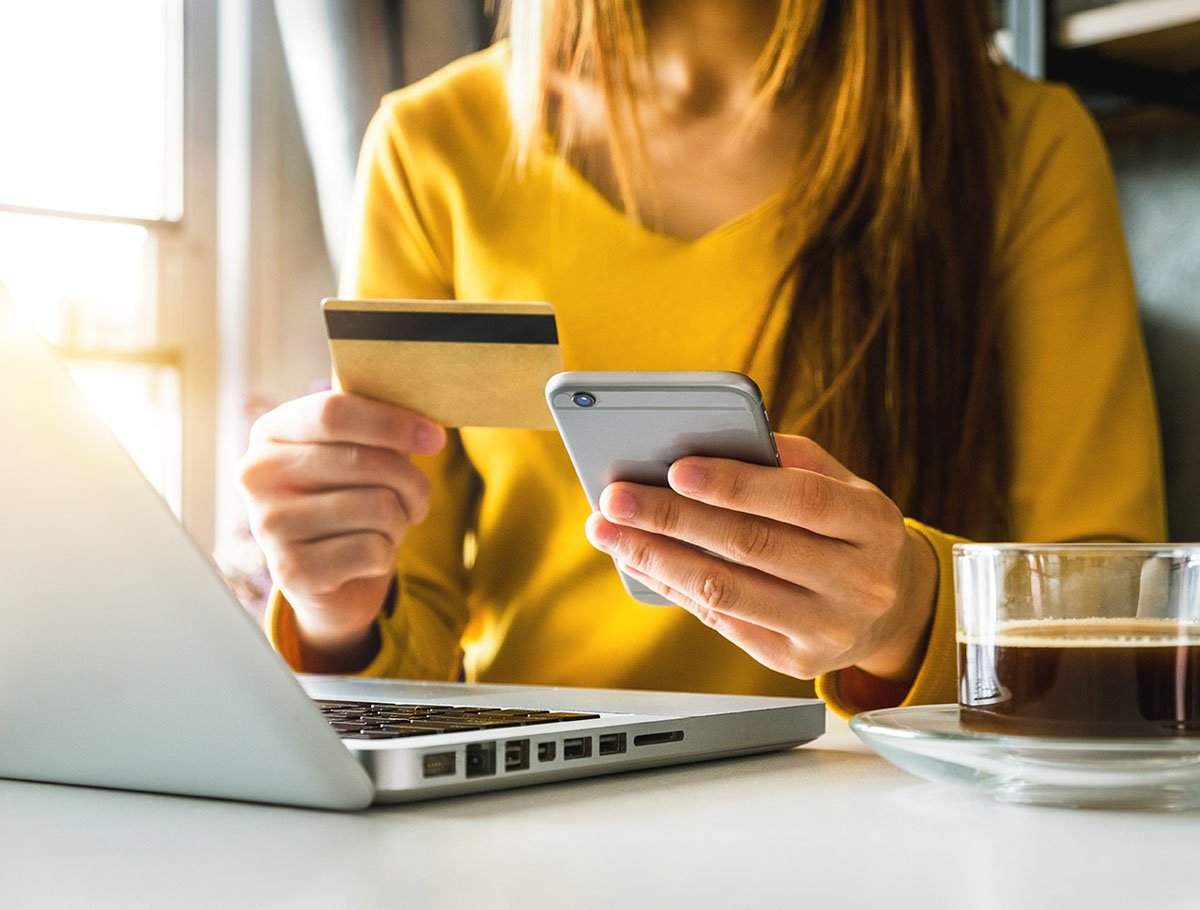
<point x="331" y="492"/>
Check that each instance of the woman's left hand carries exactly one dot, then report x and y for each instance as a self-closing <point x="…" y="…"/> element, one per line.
<point x="814" y="568"/>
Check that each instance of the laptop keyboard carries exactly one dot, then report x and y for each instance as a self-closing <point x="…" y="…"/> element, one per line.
<point x="368" y="720"/>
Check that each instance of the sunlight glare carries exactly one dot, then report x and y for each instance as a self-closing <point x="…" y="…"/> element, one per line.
<point x="85" y="106"/>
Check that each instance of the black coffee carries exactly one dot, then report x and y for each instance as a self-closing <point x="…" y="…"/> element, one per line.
<point x="1095" y="677"/>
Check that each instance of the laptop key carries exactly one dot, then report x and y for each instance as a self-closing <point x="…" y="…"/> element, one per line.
<point x="571" y="715"/>
<point x="428" y="727"/>
<point x="396" y="732"/>
<point x="476" y="721"/>
<point x="381" y="719"/>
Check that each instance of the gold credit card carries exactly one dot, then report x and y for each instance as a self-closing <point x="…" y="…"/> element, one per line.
<point x="460" y="364"/>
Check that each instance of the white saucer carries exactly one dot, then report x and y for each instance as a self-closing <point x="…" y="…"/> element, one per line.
<point x="927" y="740"/>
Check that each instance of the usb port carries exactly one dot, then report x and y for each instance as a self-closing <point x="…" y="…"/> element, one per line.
<point x="577" y="748"/>
<point x="516" y="755"/>
<point x="481" y="759"/>
<point x="439" y="764"/>
<point x="612" y="743"/>
<point x="547" y="751"/>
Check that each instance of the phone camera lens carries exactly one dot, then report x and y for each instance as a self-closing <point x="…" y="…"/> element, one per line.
<point x="583" y="399"/>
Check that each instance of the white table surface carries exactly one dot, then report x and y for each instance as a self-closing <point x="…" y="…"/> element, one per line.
<point x="828" y="825"/>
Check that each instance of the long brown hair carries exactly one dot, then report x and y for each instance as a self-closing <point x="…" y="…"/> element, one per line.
<point x="889" y="358"/>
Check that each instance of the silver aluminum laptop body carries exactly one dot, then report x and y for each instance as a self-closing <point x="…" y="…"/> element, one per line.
<point x="126" y="662"/>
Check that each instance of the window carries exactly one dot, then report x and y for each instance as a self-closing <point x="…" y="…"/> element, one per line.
<point x="106" y="217"/>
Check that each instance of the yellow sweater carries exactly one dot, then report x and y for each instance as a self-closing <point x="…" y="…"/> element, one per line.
<point x="439" y="214"/>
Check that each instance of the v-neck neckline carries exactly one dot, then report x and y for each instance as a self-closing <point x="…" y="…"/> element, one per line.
<point x="559" y="168"/>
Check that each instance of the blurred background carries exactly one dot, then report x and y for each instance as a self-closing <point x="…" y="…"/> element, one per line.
<point x="174" y="181"/>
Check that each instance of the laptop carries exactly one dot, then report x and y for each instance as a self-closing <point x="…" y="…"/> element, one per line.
<point x="126" y="661"/>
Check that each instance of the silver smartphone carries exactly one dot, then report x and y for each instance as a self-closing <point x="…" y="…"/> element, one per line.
<point x="634" y="425"/>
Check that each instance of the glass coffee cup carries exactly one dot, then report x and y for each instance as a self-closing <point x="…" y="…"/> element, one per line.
<point x="1079" y="640"/>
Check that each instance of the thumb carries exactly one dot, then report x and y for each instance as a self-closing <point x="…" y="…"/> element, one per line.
<point x="802" y="453"/>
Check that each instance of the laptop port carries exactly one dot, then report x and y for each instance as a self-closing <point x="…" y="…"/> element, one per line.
<point x="581" y="747"/>
<point x="516" y="755"/>
<point x="612" y="743"/>
<point x="654" y="739"/>
<point x="547" y="751"/>
<point x="439" y="764"/>
<point x="481" y="759"/>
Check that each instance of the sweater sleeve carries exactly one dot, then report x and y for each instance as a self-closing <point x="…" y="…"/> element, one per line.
<point x="396" y="250"/>
<point x="1086" y="459"/>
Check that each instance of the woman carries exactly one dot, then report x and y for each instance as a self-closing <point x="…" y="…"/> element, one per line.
<point x="913" y="250"/>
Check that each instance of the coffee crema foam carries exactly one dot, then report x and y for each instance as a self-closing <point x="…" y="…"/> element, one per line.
<point x="1088" y="632"/>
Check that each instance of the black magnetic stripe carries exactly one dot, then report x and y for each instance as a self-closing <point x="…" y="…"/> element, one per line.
<point x="488" y="328"/>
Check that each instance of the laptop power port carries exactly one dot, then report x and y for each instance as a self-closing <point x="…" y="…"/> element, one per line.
<point x="516" y="755"/>
<point x="439" y="764"/>
<point x="581" y="747"/>
<point x="612" y="743"/>
<point x="481" y="759"/>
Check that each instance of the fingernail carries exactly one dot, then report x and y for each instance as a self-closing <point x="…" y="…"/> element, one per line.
<point x="430" y="437"/>
<point x="687" y="477"/>
<point x="619" y="504"/>
<point x="602" y="535"/>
